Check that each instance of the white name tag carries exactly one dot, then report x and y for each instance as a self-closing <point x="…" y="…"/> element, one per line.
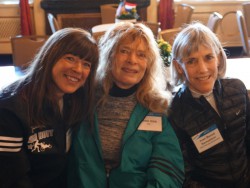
<point x="207" y="139"/>
<point x="152" y="122"/>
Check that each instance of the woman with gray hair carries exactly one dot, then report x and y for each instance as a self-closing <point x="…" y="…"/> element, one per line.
<point x="132" y="144"/>
<point x="209" y="113"/>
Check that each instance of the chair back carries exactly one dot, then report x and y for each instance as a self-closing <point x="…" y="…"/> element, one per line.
<point x="243" y="32"/>
<point x="108" y="12"/>
<point x="246" y="14"/>
<point x="54" y="25"/>
<point x="81" y="20"/>
<point x="214" y="20"/>
<point x="24" y="48"/>
<point x="98" y="35"/>
<point x="183" y="15"/>
<point x="154" y="26"/>
<point x="169" y="34"/>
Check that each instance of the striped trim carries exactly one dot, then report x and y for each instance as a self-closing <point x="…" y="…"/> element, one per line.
<point x="10" y="149"/>
<point x="167" y="161"/>
<point x="10" y="144"/>
<point x="168" y="173"/>
<point x="170" y="169"/>
<point x="17" y="139"/>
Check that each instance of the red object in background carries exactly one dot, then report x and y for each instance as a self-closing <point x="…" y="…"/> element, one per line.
<point x="166" y="14"/>
<point x="129" y="6"/>
<point x="25" y="17"/>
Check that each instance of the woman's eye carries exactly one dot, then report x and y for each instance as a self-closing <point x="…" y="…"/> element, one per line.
<point x="124" y="51"/>
<point x="190" y="61"/>
<point x="142" y="55"/>
<point x="69" y="58"/>
<point x="209" y="57"/>
<point x="86" y="64"/>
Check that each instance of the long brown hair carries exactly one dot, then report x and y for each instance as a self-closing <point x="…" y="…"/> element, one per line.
<point x="35" y="86"/>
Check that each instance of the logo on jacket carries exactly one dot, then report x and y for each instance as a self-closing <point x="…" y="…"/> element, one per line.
<point x="37" y="146"/>
<point x="36" y="142"/>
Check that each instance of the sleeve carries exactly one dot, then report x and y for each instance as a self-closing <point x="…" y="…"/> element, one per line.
<point x="73" y="177"/>
<point x="166" y="168"/>
<point x="188" y="182"/>
<point x="14" y="165"/>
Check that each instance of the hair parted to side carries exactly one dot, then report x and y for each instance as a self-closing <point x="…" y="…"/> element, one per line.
<point x="188" y="41"/>
<point x="151" y="91"/>
<point x="37" y="86"/>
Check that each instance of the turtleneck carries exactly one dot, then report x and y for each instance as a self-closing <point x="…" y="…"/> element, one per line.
<point x="115" y="91"/>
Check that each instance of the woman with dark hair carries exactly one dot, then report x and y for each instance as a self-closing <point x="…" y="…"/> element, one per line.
<point x="38" y="111"/>
<point x="132" y="144"/>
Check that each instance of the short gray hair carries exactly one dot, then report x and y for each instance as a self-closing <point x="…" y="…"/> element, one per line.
<point x="188" y="41"/>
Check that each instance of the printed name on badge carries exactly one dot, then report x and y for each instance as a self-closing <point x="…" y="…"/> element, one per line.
<point x="207" y="139"/>
<point x="152" y="122"/>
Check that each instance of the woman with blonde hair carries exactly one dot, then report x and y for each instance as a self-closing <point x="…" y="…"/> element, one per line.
<point x="132" y="144"/>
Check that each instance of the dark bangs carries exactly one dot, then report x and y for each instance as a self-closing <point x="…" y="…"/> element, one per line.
<point x="84" y="49"/>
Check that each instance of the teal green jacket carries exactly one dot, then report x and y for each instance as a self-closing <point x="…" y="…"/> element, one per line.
<point x="149" y="159"/>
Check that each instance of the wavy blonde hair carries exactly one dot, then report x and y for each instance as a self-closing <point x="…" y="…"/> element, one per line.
<point x="151" y="91"/>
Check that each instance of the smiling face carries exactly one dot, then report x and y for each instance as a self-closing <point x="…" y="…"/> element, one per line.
<point x="69" y="74"/>
<point x="130" y="63"/>
<point x="200" y="69"/>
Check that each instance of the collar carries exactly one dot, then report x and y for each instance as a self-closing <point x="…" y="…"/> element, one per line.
<point x="115" y="91"/>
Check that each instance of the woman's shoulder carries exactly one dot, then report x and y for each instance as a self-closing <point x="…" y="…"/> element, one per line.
<point x="182" y="94"/>
<point x="7" y="97"/>
<point x="11" y="101"/>
<point x="232" y="84"/>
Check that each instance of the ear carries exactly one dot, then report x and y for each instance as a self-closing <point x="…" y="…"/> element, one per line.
<point x="178" y="67"/>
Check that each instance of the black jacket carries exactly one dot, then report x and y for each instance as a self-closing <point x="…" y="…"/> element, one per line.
<point x="31" y="157"/>
<point x="226" y="163"/>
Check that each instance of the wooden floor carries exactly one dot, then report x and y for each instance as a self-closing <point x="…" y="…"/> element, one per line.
<point x="235" y="52"/>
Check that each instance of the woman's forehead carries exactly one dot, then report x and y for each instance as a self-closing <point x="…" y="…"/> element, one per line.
<point x="137" y="43"/>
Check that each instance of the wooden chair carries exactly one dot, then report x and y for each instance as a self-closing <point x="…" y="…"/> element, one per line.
<point x="24" y="49"/>
<point x="154" y="26"/>
<point x="169" y="34"/>
<point x="54" y="25"/>
<point x="108" y="12"/>
<point x="243" y="32"/>
<point x="81" y="20"/>
<point x="214" y="20"/>
<point x="246" y="14"/>
<point x="183" y="15"/>
<point x="98" y="35"/>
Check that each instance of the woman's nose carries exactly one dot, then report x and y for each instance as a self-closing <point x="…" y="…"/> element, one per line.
<point x="78" y="67"/>
<point x="202" y="65"/>
<point x="132" y="58"/>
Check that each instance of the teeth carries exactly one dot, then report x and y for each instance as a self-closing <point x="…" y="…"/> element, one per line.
<point x="73" y="79"/>
<point x="129" y="70"/>
<point x="204" y="78"/>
